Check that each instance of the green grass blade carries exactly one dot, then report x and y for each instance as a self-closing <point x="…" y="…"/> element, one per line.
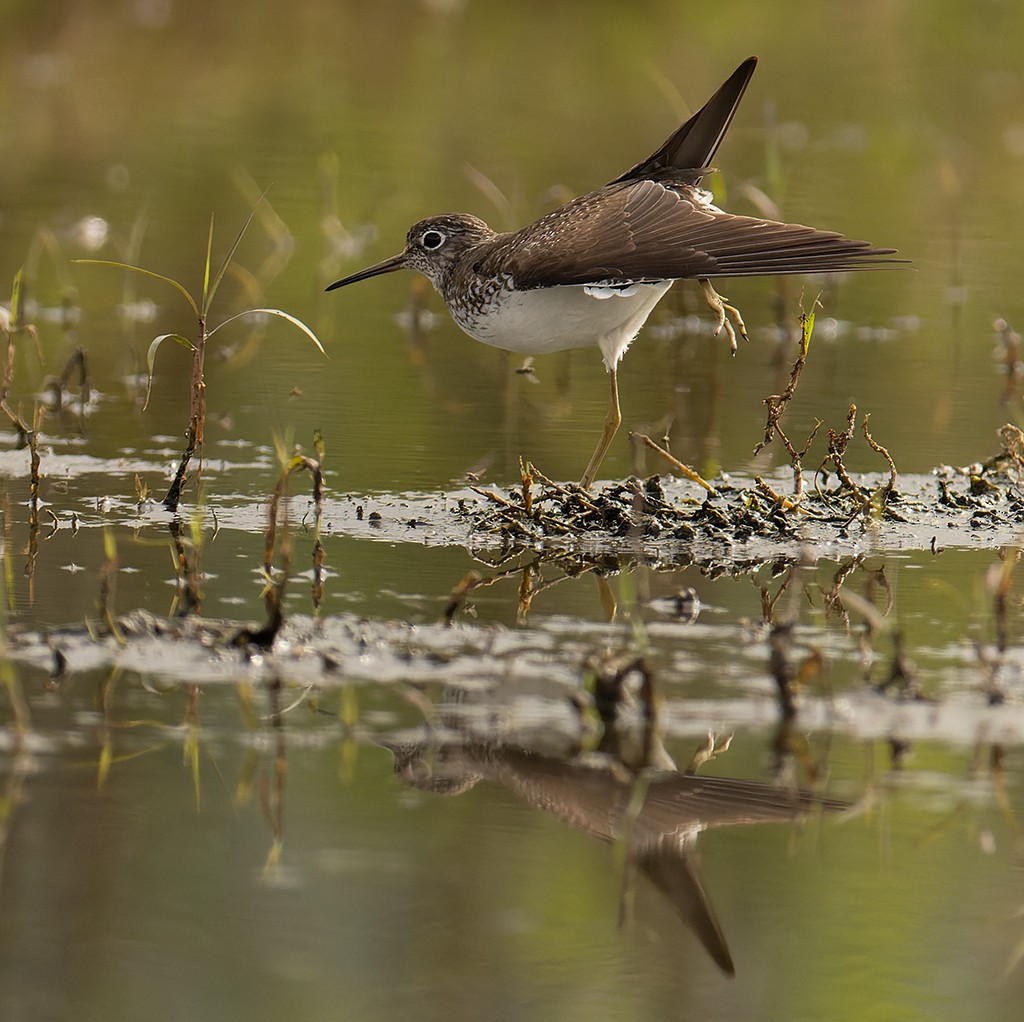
<point x="274" y="312"/>
<point x="219" y="276"/>
<point x="807" y="324"/>
<point x="16" y="300"/>
<point x="206" y="270"/>
<point x="149" y="273"/>
<point x="151" y="358"/>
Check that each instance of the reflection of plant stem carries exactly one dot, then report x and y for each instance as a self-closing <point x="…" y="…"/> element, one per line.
<point x="188" y="598"/>
<point x="272" y="794"/>
<point x="106" y="729"/>
<point x="274" y="590"/>
<point x="18" y="769"/>
<point x="274" y="593"/>
<point x="19" y="761"/>
<point x="192" y="740"/>
<point x="19" y="708"/>
<point x="108" y="584"/>
<point x="5" y="506"/>
<point x="296" y="464"/>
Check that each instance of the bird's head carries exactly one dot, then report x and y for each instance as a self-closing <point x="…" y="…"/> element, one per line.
<point x="433" y="247"/>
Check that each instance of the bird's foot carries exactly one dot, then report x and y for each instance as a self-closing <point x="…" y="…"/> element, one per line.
<point x="723" y="312"/>
<point x="707" y="752"/>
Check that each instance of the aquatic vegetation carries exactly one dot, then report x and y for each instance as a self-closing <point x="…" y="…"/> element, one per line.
<point x="14" y="324"/>
<point x="278" y="538"/>
<point x="200" y="307"/>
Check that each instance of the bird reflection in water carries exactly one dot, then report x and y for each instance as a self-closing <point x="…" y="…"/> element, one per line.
<point x="626" y="788"/>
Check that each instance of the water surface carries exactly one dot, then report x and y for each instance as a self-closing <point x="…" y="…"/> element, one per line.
<point x="190" y="829"/>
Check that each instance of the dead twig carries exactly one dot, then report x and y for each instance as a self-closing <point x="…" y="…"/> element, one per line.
<point x="837" y="444"/>
<point x="675" y="463"/>
<point x="890" y="487"/>
<point x="777" y="403"/>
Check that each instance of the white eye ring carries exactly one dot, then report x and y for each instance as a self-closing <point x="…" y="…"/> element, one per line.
<point x="432" y="239"/>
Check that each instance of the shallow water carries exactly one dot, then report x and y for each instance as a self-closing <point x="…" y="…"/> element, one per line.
<point x="382" y="816"/>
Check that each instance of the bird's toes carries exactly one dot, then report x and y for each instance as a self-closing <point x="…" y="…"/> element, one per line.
<point x="737" y="318"/>
<point x="740" y="326"/>
<point x="723" y="312"/>
<point x="724" y="324"/>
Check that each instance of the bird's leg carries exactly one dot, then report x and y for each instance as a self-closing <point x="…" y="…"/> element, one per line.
<point x="611" y="425"/>
<point x="720" y="307"/>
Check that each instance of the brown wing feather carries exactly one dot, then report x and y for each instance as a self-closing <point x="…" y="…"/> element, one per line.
<point x="648" y="230"/>
<point x="692" y="146"/>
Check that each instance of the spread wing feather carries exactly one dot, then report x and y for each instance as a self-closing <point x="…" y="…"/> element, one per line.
<point x="654" y="230"/>
<point x="692" y="146"/>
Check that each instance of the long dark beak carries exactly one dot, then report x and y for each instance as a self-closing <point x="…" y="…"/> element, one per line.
<point x="387" y="266"/>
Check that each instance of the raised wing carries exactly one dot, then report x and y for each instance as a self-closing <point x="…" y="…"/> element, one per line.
<point x="692" y="146"/>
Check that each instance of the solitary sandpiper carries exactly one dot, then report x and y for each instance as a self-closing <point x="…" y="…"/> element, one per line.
<point x="591" y="271"/>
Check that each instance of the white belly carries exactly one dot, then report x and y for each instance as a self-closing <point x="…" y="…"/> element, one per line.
<point x="573" y="316"/>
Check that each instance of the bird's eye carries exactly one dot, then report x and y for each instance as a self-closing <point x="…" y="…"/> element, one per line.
<point x="432" y="239"/>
